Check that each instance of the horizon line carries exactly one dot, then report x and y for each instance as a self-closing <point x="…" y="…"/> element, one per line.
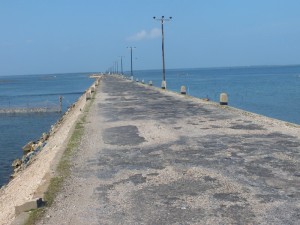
<point x="212" y="67"/>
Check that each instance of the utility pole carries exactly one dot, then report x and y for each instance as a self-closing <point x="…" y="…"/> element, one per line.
<point x="121" y="65"/>
<point x="117" y="66"/>
<point x="162" y="20"/>
<point x="60" y="104"/>
<point x="131" y="73"/>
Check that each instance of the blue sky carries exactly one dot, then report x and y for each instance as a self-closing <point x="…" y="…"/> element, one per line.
<point x="59" y="36"/>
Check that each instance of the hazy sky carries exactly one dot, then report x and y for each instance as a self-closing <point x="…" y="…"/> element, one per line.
<point x="58" y="36"/>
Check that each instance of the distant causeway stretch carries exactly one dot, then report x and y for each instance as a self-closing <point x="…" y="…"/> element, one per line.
<point x="151" y="156"/>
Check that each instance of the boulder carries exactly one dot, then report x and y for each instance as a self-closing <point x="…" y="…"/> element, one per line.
<point x="16" y="170"/>
<point x="45" y="137"/>
<point x="28" y="146"/>
<point x="16" y="163"/>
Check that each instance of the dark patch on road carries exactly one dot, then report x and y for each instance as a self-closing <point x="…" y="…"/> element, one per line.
<point x="231" y="197"/>
<point x="237" y="214"/>
<point x="209" y="179"/>
<point x="166" y="203"/>
<point x="124" y="135"/>
<point x="137" y="179"/>
<point x="266" y="198"/>
<point x="246" y="127"/>
<point x="257" y="170"/>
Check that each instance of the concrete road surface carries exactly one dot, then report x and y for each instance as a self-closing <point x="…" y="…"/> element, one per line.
<point x="149" y="157"/>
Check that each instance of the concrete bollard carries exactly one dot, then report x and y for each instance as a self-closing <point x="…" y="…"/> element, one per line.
<point x="88" y="95"/>
<point x="223" y="99"/>
<point x="163" y="84"/>
<point x="143" y="81"/>
<point x="137" y="79"/>
<point x="183" y="90"/>
<point x="150" y="83"/>
<point x="93" y="89"/>
<point x="131" y="78"/>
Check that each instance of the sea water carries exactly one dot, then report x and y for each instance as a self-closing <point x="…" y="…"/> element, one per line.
<point x="31" y="91"/>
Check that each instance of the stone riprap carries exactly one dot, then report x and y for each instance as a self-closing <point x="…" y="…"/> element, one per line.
<point x="154" y="157"/>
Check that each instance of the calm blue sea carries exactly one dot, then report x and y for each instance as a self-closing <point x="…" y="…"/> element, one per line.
<point x="31" y="91"/>
<point x="273" y="91"/>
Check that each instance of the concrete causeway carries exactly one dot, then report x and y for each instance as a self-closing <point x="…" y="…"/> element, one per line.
<point x="154" y="157"/>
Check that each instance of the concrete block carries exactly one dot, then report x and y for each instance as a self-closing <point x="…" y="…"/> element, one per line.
<point x="223" y="99"/>
<point x="21" y="218"/>
<point x="34" y="204"/>
<point x="183" y="90"/>
<point x="93" y="89"/>
<point x="163" y="84"/>
<point x="88" y="95"/>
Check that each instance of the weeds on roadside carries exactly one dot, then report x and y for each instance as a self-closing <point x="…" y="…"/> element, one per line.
<point x="63" y="168"/>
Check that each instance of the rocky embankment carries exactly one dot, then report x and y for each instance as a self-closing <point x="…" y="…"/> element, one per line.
<point x="32" y="148"/>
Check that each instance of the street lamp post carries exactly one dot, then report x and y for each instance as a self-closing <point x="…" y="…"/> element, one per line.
<point x="131" y="73"/>
<point x="162" y="20"/>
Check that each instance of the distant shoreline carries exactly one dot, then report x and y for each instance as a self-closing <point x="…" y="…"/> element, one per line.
<point x="29" y="110"/>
